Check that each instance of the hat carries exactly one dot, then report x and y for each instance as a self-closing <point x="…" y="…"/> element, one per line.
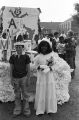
<point x="19" y="44"/>
<point x="13" y="50"/>
<point x="46" y="40"/>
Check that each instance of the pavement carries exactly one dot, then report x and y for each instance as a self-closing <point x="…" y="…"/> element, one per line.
<point x="67" y="111"/>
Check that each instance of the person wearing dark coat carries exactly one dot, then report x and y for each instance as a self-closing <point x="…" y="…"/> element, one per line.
<point x="53" y="42"/>
<point x="70" y="51"/>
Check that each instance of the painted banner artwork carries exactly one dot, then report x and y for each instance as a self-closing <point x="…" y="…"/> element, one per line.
<point x="21" y="19"/>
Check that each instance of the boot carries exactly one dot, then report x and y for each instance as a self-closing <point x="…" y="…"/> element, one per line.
<point x="17" y="109"/>
<point x="26" y="109"/>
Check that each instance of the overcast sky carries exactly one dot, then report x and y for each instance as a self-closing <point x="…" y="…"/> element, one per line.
<point x="52" y="10"/>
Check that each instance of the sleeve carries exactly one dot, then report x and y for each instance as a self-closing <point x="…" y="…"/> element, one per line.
<point x="60" y="64"/>
<point x="62" y="74"/>
<point x="61" y="69"/>
<point x="11" y="60"/>
<point x="28" y="59"/>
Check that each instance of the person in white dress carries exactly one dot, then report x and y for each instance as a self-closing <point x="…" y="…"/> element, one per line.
<point x="53" y="77"/>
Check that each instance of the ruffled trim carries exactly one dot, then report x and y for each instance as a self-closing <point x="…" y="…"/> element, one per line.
<point x="62" y="74"/>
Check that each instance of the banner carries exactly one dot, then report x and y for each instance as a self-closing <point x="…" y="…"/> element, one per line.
<point x="21" y="20"/>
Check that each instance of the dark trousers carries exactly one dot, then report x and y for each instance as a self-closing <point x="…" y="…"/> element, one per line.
<point x="70" y="61"/>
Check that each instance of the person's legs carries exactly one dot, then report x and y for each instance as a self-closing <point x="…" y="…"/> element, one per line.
<point x="26" y="109"/>
<point x="71" y="63"/>
<point x="17" y="91"/>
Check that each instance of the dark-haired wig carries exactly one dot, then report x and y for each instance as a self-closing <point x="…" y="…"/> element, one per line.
<point x="49" y="48"/>
<point x="19" y="38"/>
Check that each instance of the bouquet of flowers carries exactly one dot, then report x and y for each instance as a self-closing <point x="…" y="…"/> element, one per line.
<point x="50" y="61"/>
<point x="48" y="66"/>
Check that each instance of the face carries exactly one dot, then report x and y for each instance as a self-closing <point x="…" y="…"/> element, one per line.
<point x="44" y="48"/>
<point x="19" y="49"/>
<point x="57" y="35"/>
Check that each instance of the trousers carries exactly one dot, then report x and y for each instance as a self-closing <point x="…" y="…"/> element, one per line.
<point x="20" y="89"/>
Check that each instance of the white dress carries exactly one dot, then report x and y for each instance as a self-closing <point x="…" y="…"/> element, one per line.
<point x="52" y="85"/>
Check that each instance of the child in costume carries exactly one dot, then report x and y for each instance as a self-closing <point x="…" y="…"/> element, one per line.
<point x="20" y="76"/>
<point x="53" y="77"/>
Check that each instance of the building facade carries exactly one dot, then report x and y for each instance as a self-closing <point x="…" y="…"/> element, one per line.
<point x="49" y="27"/>
<point x="68" y="25"/>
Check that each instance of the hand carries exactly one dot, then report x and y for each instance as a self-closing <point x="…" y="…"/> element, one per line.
<point x="46" y="70"/>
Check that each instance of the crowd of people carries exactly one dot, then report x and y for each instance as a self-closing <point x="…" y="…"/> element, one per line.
<point x="65" y="46"/>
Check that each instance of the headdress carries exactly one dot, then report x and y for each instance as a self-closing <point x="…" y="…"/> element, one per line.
<point x="46" y="40"/>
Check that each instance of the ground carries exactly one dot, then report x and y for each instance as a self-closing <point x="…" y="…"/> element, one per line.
<point x="67" y="111"/>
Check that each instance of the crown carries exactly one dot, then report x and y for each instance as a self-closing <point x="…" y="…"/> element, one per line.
<point x="47" y="40"/>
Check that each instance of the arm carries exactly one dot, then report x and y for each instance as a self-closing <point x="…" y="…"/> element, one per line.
<point x="11" y="61"/>
<point x="11" y="69"/>
<point x="28" y="73"/>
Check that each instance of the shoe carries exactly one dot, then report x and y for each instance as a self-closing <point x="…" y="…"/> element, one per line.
<point x="50" y="114"/>
<point x="27" y="113"/>
<point x="17" y="111"/>
<point x="26" y="109"/>
<point x="40" y="115"/>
